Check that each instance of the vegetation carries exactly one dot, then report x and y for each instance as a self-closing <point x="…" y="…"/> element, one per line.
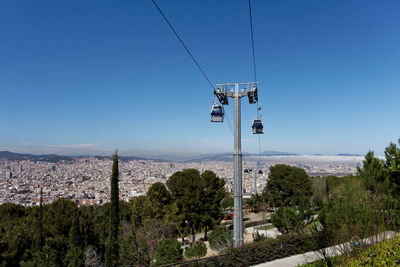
<point x="220" y="239"/>
<point x="256" y="203"/>
<point x="196" y="250"/>
<point x="386" y="253"/>
<point x="228" y="202"/>
<point x="287" y="186"/>
<point x="112" y="250"/>
<point x="312" y="213"/>
<point x="287" y="220"/>
<point x="259" y="252"/>
<point x="168" y="251"/>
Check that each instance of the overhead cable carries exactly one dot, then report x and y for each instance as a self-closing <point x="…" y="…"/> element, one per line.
<point x="190" y="54"/>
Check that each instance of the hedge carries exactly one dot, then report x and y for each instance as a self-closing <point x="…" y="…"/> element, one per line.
<point x="260" y="252"/>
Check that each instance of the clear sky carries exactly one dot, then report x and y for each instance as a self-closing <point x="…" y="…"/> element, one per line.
<point x="92" y="76"/>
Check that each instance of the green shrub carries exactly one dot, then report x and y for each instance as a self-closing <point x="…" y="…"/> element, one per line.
<point x="259" y="252"/>
<point x="220" y="239"/>
<point x="196" y="250"/>
<point x="168" y="251"/>
<point x="386" y="253"/>
<point x="286" y="220"/>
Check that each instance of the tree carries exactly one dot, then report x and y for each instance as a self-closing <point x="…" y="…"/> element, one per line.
<point x="41" y="236"/>
<point x="373" y="173"/>
<point x="186" y="188"/>
<point x="287" y="220"/>
<point x="138" y="210"/>
<point x="52" y="254"/>
<point x="158" y="199"/>
<point x="112" y="249"/>
<point x="75" y="236"/>
<point x="134" y="251"/>
<point x="75" y="256"/>
<point x="227" y="203"/>
<point x="58" y="218"/>
<point x="287" y="186"/>
<point x="392" y="163"/>
<point x="352" y="214"/>
<point x="213" y="193"/>
<point x="255" y="202"/>
<point x="168" y="251"/>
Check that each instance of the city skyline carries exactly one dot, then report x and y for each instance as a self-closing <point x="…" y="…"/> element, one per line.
<point x="88" y="78"/>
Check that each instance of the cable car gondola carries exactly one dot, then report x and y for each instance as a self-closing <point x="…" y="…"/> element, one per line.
<point x="217" y="113"/>
<point x="257" y="126"/>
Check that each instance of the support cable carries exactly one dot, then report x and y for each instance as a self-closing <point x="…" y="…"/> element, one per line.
<point x="190" y="54"/>
<point x="255" y="75"/>
<point x="183" y="44"/>
<point x="252" y="42"/>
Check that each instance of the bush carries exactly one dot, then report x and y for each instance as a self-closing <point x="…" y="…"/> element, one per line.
<point x="220" y="239"/>
<point x="386" y="253"/>
<point x="259" y="252"/>
<point x="168" y="251"/>
<point x="196" y="250"/>
<point x="286" y="220"/>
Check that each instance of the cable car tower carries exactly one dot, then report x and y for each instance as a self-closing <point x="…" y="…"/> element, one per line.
<point x="235" y="91"/>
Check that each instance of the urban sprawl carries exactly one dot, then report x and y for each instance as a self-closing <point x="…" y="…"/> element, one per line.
<point x="87" y="180"/>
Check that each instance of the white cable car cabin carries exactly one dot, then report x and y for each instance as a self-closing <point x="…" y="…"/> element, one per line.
<point x="217" y="113"/>
<point x="257" y="126"/>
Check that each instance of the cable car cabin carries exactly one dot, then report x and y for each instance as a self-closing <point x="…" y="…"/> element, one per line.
<point x="257" y="126"/>
<point x="260" y="172"/>
<point x="217" y="113"/>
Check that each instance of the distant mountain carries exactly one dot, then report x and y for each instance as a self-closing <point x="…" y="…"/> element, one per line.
<point x="48" y="158"/>
<point x="277" y="153"/>
<point x="56" y="158"/>
<point x="226" y="157"/>
<point x="121" y="158"/>
<point x="349" y="155"/>
<point x="211" y="157"/>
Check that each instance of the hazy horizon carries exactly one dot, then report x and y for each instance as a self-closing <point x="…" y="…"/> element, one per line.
<point x="95" y="150"/>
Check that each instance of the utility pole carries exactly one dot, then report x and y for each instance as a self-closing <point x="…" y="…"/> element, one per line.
<point x="237" y="91"/>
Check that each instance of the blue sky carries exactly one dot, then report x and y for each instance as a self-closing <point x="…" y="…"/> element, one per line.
<point x="92" y="76"/>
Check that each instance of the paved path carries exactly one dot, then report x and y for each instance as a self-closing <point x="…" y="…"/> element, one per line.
<point x="308" y="257"/>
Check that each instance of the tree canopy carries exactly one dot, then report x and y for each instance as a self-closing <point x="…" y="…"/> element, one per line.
<point x="287" y="186"/>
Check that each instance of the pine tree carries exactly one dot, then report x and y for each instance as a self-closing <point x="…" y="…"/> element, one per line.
<point x="75" y="232"/>
<point x="112" y="250"/>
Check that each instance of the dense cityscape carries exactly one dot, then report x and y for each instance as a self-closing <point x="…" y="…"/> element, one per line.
<point x="86" y="180"/>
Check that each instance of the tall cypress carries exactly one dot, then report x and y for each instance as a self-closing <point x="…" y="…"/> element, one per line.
<point x="112" y="250"/>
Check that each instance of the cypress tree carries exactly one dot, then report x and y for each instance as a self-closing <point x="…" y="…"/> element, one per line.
<point x="112" y="250"/>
